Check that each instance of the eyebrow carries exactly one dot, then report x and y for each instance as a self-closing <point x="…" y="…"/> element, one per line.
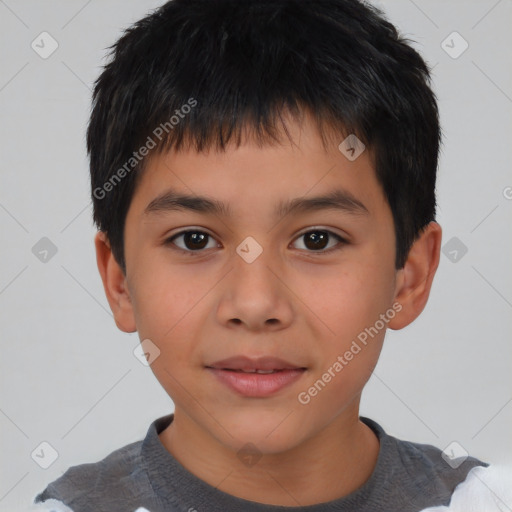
<point x="338" y="199"/>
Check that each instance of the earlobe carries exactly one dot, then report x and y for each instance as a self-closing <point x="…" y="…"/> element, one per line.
<point x="414" y="280"/>
<point x="114" y="284"/>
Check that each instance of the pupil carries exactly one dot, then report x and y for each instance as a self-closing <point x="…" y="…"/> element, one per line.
<point x="318" y="239"/>
<point x="197" y="240"/>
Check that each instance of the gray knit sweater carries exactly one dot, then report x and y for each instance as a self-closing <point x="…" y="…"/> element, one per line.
<point x="144" y="475"/>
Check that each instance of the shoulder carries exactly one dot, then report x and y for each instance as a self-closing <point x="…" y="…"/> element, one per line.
<point x="426" y="459"/>
<point x="417" y="474"/>
<point x="120" y="476"/>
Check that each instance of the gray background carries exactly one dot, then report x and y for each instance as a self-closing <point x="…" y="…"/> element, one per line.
<point x="69" y="377"/>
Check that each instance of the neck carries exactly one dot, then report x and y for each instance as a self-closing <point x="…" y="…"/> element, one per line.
<point x="334" y="463"/>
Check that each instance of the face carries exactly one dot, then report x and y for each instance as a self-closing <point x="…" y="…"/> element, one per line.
<point x="262" y="275"/>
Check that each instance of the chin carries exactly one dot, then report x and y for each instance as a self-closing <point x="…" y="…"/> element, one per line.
<point x="270" y="433"/>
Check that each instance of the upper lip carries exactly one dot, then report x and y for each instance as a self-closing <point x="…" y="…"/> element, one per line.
<point x="259" y="363"/>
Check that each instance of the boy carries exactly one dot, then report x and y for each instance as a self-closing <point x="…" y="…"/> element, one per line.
<point x="263" y="179"/>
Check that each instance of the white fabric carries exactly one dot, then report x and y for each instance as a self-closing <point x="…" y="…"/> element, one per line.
<point x="485" y="489"/>
<point x="58" y="506"/>
<point x="50" y="506"/>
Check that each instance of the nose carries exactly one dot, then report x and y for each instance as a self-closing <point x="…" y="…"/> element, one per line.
<point x="255" y="296"/>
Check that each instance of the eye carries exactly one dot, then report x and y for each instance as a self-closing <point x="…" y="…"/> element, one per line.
<point x="317" y="240"/>
<point x="192" y="241"/>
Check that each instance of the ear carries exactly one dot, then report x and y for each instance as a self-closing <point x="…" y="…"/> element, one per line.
<point x="414" y="280"/>
<point x="114" y="283"/>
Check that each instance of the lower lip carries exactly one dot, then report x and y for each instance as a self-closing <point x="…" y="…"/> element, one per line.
<point x="257" y="385"/>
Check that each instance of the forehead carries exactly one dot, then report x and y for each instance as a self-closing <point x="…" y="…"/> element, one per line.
<point x="301" y="169"/>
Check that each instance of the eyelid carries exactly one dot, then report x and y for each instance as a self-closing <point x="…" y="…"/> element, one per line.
<point x="183" y="230"/>
<point x="329" y="230"/>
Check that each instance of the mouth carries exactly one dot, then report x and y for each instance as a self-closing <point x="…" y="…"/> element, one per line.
<point x="254" y="365"/>
<point x="258" y="377"/>
<point x="263" y="372"/>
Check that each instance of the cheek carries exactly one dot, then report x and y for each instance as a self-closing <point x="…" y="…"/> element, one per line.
<point x="350" y="304"/>
<point x="349" y="298"/>
<point x="166" y="308"/>
<point x="172" y="307"/>
<point x="163" y="299"/>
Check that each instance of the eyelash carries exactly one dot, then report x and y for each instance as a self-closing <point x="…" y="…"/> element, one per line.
<point x="338" y="246"/>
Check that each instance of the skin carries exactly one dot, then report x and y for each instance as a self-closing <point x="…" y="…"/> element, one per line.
<point x="292" y="302"/>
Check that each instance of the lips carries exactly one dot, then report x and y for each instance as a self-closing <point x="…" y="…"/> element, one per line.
<point x="258" y="377"/>
<point x="256" y="365"/>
